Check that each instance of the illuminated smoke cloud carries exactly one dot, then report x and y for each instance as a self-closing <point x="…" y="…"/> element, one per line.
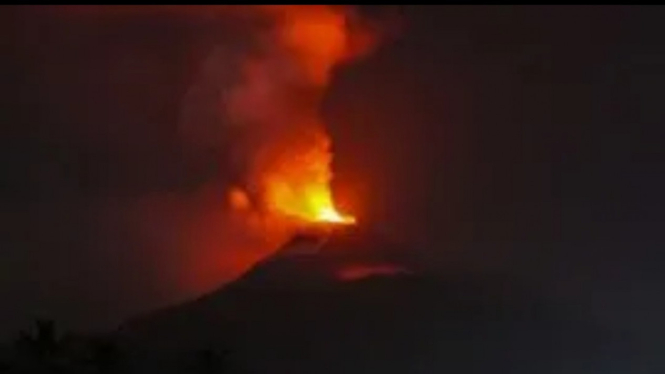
<point x="258" y="103"/>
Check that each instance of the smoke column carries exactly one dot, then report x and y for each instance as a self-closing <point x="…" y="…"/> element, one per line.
<point x="252" y="110"/>
<point x="215" y="176"/>
<point x="257" y="103"/>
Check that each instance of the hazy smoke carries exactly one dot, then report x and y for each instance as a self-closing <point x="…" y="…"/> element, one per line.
<point x="253" y="103"/>
<point x="155" y="226"/>
<point x="259" y="100"/>
<point x="256" y="105"/>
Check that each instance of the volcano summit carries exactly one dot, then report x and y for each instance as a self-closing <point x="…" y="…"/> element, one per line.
<point x="294" y="313"/>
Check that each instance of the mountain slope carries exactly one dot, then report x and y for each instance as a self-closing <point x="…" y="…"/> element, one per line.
<point x="293" y="314"/>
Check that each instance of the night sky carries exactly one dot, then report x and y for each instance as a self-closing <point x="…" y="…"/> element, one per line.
<point x="526" y="139"/>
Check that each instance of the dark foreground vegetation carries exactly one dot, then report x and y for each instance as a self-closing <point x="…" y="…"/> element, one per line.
<point x="43" y="349"/>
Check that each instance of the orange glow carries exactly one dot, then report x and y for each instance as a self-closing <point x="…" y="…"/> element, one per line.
<point x="297" y="182"/>
<point x="356" y="272"/>
<point x="238" y="199"/>
<point x="279" y="100"/>
<point x="316" y="35"/>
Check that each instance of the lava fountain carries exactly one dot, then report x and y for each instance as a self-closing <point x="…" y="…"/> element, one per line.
<point x="298" y="184"/>
<point x="288" y="165"/>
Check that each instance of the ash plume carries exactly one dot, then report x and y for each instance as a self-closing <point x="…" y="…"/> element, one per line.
<point x="255" y="105"/>
<point x="250" y="109"/>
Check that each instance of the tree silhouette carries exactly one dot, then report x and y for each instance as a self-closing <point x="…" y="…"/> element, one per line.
<point x="41" y="345"/>
<point x="210" y="361"/>
<point x="39" y="350"/>
<point x="46" y="341"/>
<point x="105" y="355"/>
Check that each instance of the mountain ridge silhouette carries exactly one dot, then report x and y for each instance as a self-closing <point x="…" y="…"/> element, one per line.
<point x="291" y="313"/>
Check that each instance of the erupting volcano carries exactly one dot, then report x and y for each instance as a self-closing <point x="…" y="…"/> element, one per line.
<point x="286" y="154"/>
<point x="299" y="185"/>
<point x="256" y="103"/>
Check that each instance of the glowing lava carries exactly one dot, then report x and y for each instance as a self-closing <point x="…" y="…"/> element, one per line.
<point x="297" y="182"/>
<point x="329" y="214"/>
<point x="286" y="151"/>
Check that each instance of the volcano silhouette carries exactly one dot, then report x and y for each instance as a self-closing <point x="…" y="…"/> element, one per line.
<point x="293" y="314"/>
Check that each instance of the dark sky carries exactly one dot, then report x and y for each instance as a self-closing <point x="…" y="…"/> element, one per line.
<point x="525" y="138"/>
